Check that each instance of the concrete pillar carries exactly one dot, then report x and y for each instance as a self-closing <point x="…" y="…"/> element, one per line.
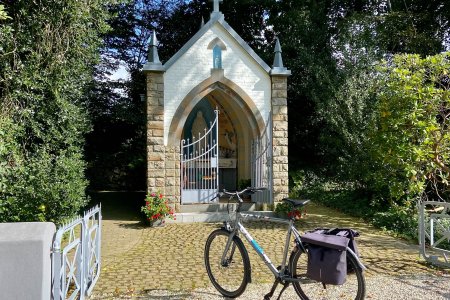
<point x="25" y="260"/>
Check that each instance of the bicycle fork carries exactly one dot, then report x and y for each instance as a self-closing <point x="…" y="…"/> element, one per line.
<point x="226" y="260"/>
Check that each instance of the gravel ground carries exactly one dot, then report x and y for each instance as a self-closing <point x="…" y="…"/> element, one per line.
<point x="420" y="287"/>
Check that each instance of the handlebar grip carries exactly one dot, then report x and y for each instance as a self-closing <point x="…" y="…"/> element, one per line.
<point x="259" y="189"/>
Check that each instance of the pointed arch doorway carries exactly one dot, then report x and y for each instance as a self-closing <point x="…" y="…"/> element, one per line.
<point x="199" y="164"/>
<point x="215" y="147"/>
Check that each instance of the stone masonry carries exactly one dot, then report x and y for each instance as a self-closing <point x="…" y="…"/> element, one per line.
<point x="162" y="162"/>
<point x="155" y="132"/>
<point x="280" y="138"/>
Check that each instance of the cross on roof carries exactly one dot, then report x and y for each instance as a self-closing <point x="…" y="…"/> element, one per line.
<point x="216" y="5"/>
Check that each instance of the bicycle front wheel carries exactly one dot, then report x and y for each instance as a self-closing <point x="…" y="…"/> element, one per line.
<point x="231" y="274"/>
<point x="308" y="289"/>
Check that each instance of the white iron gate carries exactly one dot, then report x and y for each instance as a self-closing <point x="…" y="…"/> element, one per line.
<point x="76" y="257"/>
<point x="200" y="166"/>
<point x="262" y="164"/>
<point x="434" y="232"/>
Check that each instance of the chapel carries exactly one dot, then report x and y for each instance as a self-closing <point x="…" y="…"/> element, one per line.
<point x="216" y="118"/>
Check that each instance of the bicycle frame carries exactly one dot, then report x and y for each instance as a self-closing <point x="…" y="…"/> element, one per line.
<point x="238" y="227"/>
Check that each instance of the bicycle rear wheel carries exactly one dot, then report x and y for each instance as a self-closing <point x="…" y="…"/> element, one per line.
<point x="308" y="289"/>
<point x="229" y="277"/>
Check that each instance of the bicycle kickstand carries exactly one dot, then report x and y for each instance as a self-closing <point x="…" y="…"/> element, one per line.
<point x="272" y="290"/>
<point x="285" y="285"/>
<point x="274" y="287"/>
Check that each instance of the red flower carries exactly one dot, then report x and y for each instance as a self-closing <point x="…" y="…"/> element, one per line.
<point x="160" y="196"/>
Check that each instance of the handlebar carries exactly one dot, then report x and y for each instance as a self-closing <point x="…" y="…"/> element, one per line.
<point x="247" y="190"/>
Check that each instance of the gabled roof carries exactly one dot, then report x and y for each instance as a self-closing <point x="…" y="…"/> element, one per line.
<point x="217" y="18"/>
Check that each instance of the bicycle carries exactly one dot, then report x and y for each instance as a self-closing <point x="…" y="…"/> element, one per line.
<point x="221" y="258"/>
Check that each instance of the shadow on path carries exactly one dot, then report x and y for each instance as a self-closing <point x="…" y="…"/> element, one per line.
<point x="123" y="206"/>
<point x="138" y="259"/>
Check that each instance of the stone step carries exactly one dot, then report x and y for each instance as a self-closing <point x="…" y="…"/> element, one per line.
<point x="208" y="217"/>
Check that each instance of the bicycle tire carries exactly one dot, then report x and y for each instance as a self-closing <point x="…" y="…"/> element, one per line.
<point x="316" y="290"/>
<point x="215" y="244"/>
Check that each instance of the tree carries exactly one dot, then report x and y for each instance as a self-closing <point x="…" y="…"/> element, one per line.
<point x="331" y="48"/>
<point x="305" y="35"/>
<point x="116" y="148"/>
<point x="48" y="50"/>
<point x="412" y="140"/>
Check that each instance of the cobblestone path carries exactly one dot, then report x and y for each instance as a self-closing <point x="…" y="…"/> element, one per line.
<point x="136" y="258"/>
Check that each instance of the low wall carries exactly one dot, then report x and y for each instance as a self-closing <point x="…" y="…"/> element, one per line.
<point x="25" y="260"/>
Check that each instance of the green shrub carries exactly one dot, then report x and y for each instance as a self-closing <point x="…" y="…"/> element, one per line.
<point x="411" y="140"/>
<point x="244" y="183"/>
<point x="398" y="219"/>
<point x="359" y="202"/>
<point x="47" y="53"/>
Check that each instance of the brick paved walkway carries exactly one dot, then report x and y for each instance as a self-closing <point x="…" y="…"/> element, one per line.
<point x="137" y="258"/>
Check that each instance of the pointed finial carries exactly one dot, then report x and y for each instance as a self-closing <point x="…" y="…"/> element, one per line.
<point x="153" y="62"/>
<point x="203" y="23"/>
<point x="278" y="60"/>
<point x="278" y="68"/>
<point x="153" y="56"/>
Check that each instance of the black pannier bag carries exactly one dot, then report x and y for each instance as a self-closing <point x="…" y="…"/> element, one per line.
<point x="344" y="232"/>
<point x="327" y="261"/>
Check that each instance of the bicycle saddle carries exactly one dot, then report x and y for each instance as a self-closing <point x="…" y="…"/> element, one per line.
<point x="296" y="202"/>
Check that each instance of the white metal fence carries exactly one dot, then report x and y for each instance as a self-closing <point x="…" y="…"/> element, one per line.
<point x="200" y="166"/>
<point x="434" y="232"/>
<point x="76" y="256"/>
<point x="262" y="164"/>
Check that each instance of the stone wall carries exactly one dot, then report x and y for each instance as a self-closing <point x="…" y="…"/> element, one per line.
<point x="172" y="171"/>
<point x="155" y="132"/>
<point x="161" y="164"/>
<point x="280" y="138"/>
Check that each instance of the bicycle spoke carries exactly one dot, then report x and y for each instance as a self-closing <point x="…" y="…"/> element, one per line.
<point x="228" y="275"/>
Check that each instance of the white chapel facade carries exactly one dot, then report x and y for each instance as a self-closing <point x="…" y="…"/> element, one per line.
<point x="216" y="117"/>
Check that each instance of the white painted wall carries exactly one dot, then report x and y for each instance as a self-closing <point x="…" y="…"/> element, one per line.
<point x="195" y="65"/>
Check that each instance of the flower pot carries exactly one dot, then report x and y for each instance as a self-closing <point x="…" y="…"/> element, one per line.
<point x="155" y="223"/>
<point x="158" y="223"/>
